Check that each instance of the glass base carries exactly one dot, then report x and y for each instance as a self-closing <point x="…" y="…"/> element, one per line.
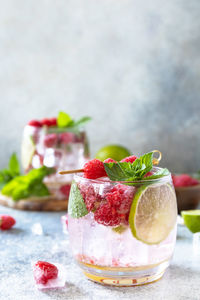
<point x="124" y="276"/>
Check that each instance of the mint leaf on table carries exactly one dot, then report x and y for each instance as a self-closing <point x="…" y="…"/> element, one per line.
<point x="76" y="206"/>
<point x="126" y="171"/>
<point x="11" y="172"/>
<point x="64" y="120"/>
<point x="14" y="166"/>
<point x="28" y="185"/>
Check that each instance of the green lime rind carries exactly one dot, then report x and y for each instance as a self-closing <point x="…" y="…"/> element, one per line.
<point x="76" y="206"/>
<point x="133" y="210"/>
<point x="192" y="219"/>
<point x="116" y="152"/>
<point x="28" y="150"/>
<point x="120" y="229"/>
<point x="153" y="213"/>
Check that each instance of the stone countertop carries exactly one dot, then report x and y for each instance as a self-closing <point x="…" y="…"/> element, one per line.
<point x="22" y="245"/>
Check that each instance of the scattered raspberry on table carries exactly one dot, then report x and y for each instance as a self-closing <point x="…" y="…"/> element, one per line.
<point x="6" y="222"/>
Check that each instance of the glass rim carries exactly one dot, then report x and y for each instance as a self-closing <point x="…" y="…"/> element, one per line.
<point x="104" y="180"/>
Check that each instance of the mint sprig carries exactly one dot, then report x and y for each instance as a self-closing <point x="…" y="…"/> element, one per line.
<point x="66" y="123"/>
<point x="64" y="120"/>
<point x="126" y="171"/>
<point x="11" y="171"/>
<point x="28" y="185"/>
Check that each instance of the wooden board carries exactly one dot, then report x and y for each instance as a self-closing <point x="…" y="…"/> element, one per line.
<point x="48" y="203"/>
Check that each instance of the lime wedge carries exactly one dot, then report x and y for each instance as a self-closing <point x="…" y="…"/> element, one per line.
<point x="153" y="213"/>
<point x="192" y="219"/>
<point x="28" y="150"/>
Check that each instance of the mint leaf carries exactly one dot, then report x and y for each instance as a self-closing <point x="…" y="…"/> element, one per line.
<point x="28" y="185"/>
<point x="82" y="121"/>
<point x="76" y="206"/>
<point x="64" y="120"/>
<point x="123" y="171"/>
<point x="11" y="172"/>
<point x="65" y="123"/>
<point x="158" y="174"/>
<point x="14" y="166"/>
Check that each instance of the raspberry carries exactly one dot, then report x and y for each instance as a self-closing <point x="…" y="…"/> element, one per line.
<point x="65" y="189"/>
<point x="50" y="140"/>
<point x="35" y="123"/>
<point x="109" y="160"/>
<point x="91" y="198"/>
<point x="148" y="174"/>
<point x="116" y="209"/>
<point x="6" y="222"/>
<point x="94" y="169"/>
<point x="67" y="137"/>
<point x="46" y="122"/>
<point x="184" y="180"/>
<point x="43" y="271"/>
<point x="107" y="215"/>
<point x="130" y="159"/>
<point x="53" y="121"/>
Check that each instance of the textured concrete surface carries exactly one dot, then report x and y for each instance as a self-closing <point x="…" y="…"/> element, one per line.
<point x="134" y="66"/>
<point x="20" y="246"/>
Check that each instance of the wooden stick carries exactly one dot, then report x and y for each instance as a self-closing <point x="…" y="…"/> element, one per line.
<point x="71" y="171"/>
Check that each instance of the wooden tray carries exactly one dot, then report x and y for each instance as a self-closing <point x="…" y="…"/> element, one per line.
<point x="47" y="203"/>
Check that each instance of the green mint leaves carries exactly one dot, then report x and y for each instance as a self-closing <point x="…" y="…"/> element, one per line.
<point x="126" y="171"/>
<point x="11" y="172"/>
<point x="28" y="185"/>
<point x="76" y="206"/>
<point x="65" y="122"/>
<point x="160" y="173"/>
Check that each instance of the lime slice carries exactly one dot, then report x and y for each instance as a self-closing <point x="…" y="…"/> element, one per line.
<point x="116" y="152"/>
<point x="153" y="213"/>
<point x="192" y="219"/>
<point x="28" y="150"/>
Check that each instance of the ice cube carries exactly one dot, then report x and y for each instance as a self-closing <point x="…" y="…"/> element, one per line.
<point x="58" y="282"/>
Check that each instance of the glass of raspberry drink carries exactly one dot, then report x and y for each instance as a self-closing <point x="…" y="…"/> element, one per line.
<point x="46" y="143"/>
<point x="122" y="232"/>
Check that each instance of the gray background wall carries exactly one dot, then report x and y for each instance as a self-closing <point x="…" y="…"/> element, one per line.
<point x="134" y="66"/>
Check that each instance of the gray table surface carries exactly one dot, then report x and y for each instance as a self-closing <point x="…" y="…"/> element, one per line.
<point x="21" y="245"/>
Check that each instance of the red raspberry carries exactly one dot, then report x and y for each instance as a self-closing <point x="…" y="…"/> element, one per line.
<point x="35" y="123"/>
<point x="130" y="159"/>
<point x="53" y="121"/>
<point x="65" y="189"/>
<point x="91" y="198"/>
<point x="184" y="180"/>
<point x="107" y="215"/>
<point x="148" y="174"/>
<point x="67" y="137"/>
<point x="116" y="209"/>
<point x="109" y="160"/>
<point x="50" y="140"/>
<point x="43" y="271"/>
<point x="6" y="222"/>
<point x="46" y="122"/>
<point x="94" y="169"/>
